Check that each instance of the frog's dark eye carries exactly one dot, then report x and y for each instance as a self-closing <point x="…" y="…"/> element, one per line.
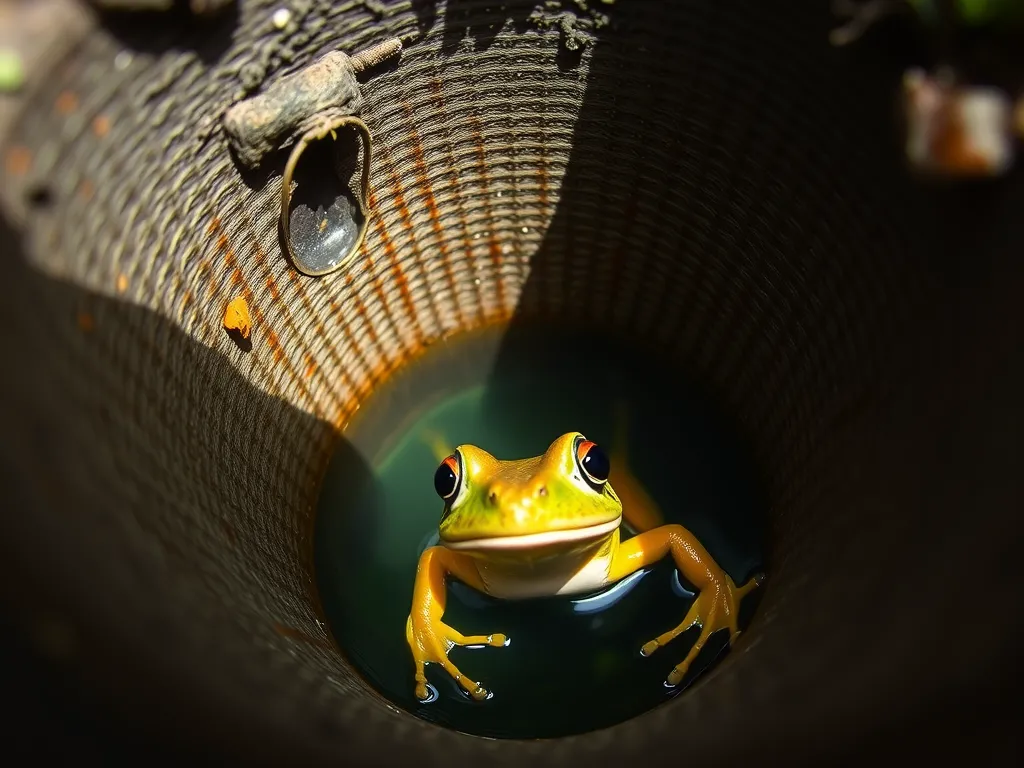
<point x="593" y="461"/>
<point x="446" y="478"/>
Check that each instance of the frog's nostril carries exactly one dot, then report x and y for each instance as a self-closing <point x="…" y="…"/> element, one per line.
<point x="492" y="497"/>
<point x="542" y="490"/>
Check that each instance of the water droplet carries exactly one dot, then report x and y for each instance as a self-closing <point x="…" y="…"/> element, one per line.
<point x="525" y="230"/>
<point x="122" y="61"/>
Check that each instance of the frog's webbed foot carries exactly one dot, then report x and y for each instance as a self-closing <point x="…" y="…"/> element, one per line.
<point x="430" y="639"/>
<point x="716" y="607"/>
<point x="717" y="603"/>
<point x="433" y="646"/>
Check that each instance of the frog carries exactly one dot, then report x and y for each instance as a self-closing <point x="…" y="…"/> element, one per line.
<point x="551" y="525"/>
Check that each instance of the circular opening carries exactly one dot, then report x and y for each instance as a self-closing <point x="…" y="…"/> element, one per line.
<point x="710" y="181"/>
<point x="573" y="662"/>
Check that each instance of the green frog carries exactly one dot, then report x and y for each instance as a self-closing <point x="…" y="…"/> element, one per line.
<point x="551" y="525"/>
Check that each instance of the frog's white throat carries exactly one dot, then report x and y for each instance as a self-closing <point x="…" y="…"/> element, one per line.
<point x="538" y="540"/>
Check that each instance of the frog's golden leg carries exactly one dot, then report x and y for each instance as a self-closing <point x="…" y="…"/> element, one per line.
<point x="718" y="600"/>
<point x="429" y="638"/>
<point x="638" y="508"/>
<point x="437" y="444"/>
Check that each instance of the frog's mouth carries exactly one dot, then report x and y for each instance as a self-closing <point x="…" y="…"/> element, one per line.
<point x="537" y="540"/>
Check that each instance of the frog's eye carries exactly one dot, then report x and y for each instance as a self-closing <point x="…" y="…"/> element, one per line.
<point x="446" y="478"/>
<point x="593" y="462"/>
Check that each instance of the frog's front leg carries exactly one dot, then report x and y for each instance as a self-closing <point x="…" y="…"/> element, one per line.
<point x="429" y="638"/>
<point x="718" y="600"/>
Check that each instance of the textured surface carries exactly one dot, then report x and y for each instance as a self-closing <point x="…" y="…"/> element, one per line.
<point x="710" y="178"/>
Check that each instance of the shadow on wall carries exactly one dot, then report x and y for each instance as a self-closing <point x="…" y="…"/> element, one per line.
<point x="156" y="495"/>
<point x="736" y="198"/>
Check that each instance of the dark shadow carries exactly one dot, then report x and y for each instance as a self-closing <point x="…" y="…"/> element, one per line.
<point x="728" y="149"/>
<point x="271" y="166"/>
<point x="466" y="18"/>
<point x="177" y="29"/>
<point x="151" y="481"/>
<point x="426" y="15"/>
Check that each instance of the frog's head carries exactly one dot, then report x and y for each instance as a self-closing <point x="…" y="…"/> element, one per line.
<point x="560" y="497"/>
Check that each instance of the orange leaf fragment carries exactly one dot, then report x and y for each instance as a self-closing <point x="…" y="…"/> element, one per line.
<point x="236" y="317"/>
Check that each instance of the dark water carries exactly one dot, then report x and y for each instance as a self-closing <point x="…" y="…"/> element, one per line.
<point x="573" y="664"/>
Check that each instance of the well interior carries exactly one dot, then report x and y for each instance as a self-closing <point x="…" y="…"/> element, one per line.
<point x="711" y="178"/>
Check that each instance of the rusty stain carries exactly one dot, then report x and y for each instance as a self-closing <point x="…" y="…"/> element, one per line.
<point x="360" y="308"/>
<point x="275" y="294"/>
<point x="86" y="190"/>
<point x="420" y="165"/>
<point x="86" y="322"/>
<point x="275" y="345"/>
<point x="101" y="125"/>
<point x="67" y="102"/>
<point x="467" y="242"/>
<point x="236" y="277"/>
<point x="396" y="271"/>
<point x="310" y="370"/>
<point x="18" y="160"/>
<point x="236" y="317"/>
<point x="493" y="247"/>
<point x="398" y="196"/>
<point x="122" y="283"/>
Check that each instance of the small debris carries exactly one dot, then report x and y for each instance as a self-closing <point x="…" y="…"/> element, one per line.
<point x="86" y="322"/>
<point x="281" y="17"/>
<point x="67" y="102"/>
<point x="18" y="161"/>
<point x="122" y="283"/>
<point x="236" y="317"/>
<point x="12" y="72"/>
<point x="957" y="130"/>
<point x="123" y="60"/>
<point x="86" y="190"/>
<point x="101" y="125"/>
<point x="577" y="24"/>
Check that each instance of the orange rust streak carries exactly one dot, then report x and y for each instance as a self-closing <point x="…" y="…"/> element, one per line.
<point x="18" y="160"/>
<point x="67" y="102"/>
<point x="259" y="318"/>
<point x="101" y="125"/>
<point x="467" y="242"/>
<point x="493" y="248"/>
<point x="374" y="371"/>
<point x="420" y="168"/>
<point x="275" y="294"/>
<point x="396" y="271"/>
<point x="321" y="328"/>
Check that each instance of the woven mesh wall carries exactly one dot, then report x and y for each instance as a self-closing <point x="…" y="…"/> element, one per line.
<point x="710" y="178"/>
